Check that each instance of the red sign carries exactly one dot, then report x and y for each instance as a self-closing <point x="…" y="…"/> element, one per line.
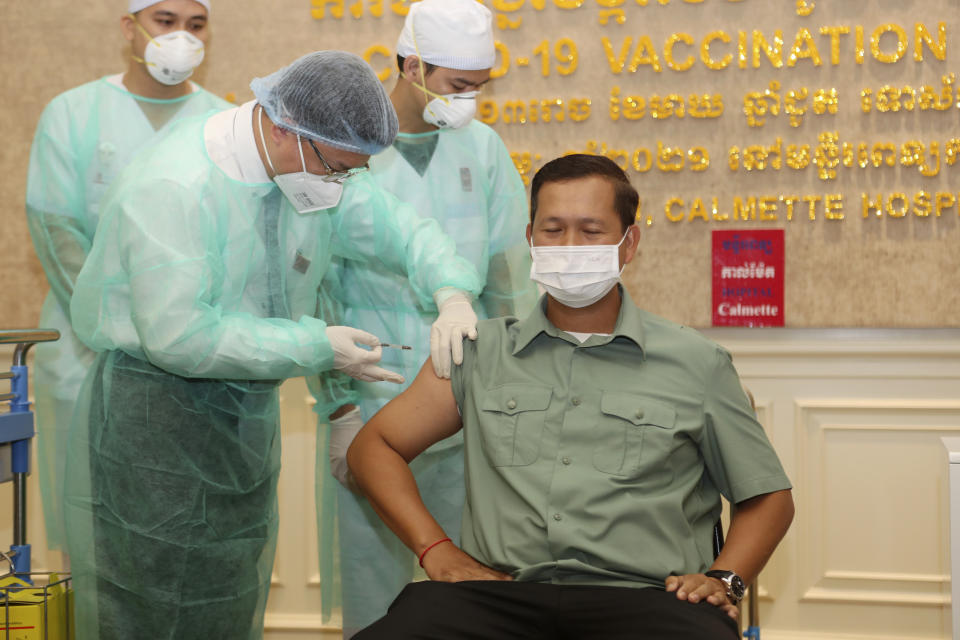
<point x="748" y="278"/>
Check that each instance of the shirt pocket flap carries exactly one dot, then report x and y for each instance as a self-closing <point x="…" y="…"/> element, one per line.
<point x="638" y="410"/>
<point x="511" y="399"/>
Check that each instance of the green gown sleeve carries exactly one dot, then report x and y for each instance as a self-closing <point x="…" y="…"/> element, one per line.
<point x="165" y="254"/>
<point x="373" y="224"/>
<point x="56" y="203"/>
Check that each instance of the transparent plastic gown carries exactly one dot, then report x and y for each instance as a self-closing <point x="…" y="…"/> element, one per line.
<point x="468" y="183"/>
<point x="201" y="291"/>
<point x="84" y="138"/>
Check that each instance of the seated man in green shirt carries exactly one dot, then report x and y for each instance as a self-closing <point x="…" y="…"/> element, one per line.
<point x="598" y="441"/>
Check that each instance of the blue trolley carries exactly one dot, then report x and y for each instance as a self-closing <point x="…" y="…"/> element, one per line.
<point x="16" y="433"/>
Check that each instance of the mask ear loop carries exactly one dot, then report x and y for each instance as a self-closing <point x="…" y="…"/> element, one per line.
<point x="303" y="163"/>
<point x="263" y="141"/>
<point x="149" y="37"/>
<point x="423" y="75"/>
<point x="618" y="246"/>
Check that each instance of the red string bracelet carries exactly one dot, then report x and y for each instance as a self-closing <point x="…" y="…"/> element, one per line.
<point x="441" y="541"/>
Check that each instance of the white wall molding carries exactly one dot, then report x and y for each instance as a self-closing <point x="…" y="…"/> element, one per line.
<point x="283" y="624"/>
<point x="831" y="483"/>
<point x="774" y="634"/>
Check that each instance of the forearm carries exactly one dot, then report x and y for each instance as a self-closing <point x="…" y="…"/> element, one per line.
<point x="385" y="478"/>
<point x="757" y="526"/>
<point x="372" y="224"/>
<point x="62" y="249"/>
<point x="236" y="346"/>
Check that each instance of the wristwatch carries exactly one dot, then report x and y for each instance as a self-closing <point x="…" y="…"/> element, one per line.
<point x="734" y="583"/>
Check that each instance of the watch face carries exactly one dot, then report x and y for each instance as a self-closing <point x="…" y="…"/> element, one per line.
<point x="737" y="586"/>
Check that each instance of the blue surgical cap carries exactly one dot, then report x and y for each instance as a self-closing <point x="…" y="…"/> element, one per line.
<point x="333" y="97"/>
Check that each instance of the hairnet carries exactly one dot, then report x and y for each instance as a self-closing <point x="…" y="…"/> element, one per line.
<point x="333" y="97"/>
<point x="456" y="34"/>
<point x="140" y="5"/>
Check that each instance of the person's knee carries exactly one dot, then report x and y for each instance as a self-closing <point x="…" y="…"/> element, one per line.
<point x="407" y="614"/>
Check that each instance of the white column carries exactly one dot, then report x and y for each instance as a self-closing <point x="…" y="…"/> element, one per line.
<point x="953" y="455"/>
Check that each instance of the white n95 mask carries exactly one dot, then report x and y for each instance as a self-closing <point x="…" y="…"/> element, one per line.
<point x="306" y="191"/>
<point x="451" y="111"/>
<point x="577" y="276"/>
<point x="172" y="57"/>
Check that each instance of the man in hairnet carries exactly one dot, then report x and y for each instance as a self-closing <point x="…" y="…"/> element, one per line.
<point x="84" y="138"/>
<point x="456" y="170"/>
<point x="200" y="292"/>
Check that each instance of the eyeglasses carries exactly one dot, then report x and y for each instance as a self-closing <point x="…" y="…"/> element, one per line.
<point x="336" y="176"/>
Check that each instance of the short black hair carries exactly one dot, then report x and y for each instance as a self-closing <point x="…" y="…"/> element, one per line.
<point x="582" y="165"/>
<point x="427" y="67"/>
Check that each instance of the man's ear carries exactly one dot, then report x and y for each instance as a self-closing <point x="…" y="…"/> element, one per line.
<point x="127" y="27"/>
<point x="411" y="69"/>
<point x="529" y="233"/>
<point x="278" y="134"/>
<point x="630" y="243"/>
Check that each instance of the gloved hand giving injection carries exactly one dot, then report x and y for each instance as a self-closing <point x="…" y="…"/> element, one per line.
<point x="355" y="361"/>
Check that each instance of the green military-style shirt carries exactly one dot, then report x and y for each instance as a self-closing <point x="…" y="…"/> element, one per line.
<point x="603" y="462"/>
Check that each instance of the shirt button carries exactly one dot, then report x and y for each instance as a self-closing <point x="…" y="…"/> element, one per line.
<point x="557" y="517"/>
<point x="640" y="414"/>
<point x="575" y="401"/>
<point x="565" y="460"/>
<point x="511" y="404"/>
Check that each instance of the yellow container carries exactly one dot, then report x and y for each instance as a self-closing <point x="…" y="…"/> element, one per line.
<point x="28" y="612"/>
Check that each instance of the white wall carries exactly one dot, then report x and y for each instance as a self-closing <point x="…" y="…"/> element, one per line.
<point x="856" y="416"/>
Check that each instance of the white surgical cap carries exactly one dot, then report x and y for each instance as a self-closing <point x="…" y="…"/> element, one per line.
<point x="456" y="34"/>
<point x="140" y="5"/>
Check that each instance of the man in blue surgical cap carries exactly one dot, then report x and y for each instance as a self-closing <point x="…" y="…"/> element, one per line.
<point x="200" y="293"/>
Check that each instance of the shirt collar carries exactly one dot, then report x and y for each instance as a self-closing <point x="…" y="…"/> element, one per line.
<point x="232" y="147"/>
<point x="629" y="325"/>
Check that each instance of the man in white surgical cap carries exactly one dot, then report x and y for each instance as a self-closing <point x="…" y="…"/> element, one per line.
<point x="200" y="296"/>
<point x="457" y="171"/>
<point x="84" y="138"/>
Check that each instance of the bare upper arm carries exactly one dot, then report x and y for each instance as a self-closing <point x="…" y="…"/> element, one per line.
<point x="425" y="413"/>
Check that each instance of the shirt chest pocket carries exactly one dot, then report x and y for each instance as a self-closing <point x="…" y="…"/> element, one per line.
<point x="511" y="423"/>
<point x="625" y="421"/>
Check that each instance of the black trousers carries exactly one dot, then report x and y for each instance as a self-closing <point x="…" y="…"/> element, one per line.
<point x="493" y="610"/>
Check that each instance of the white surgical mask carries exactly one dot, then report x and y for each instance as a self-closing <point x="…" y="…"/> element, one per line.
<point x="171" y="57"/>
<point x="576" y="276"/>
<point x="451" y="111"/>
<point x="306" y="191"/>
